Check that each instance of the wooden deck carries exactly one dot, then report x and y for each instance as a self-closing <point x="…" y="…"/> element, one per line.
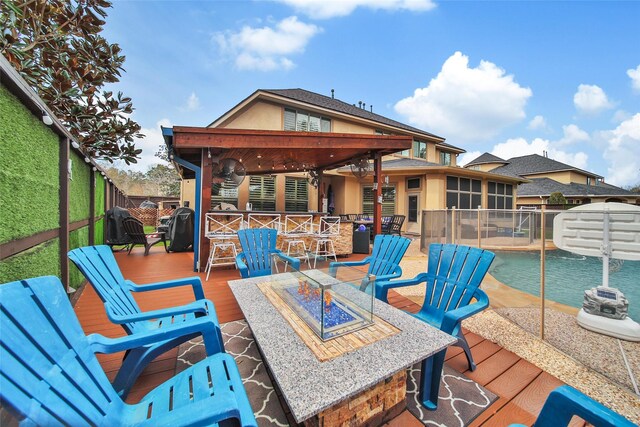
<point x="522" y="388"/>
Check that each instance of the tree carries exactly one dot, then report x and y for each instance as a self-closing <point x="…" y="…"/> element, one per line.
<point x="56" y="46"/>
<point x="165" y="178"/>
<point x="557" y="198"/>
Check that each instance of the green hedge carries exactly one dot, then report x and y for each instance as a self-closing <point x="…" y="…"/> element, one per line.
<point x="99" y="198"/>
<point x="41" y="260"/>
<point x="79" y="189"/>
<point x="29" y="184"/>
<point x="77" y="239"/>
<point x="98" y="234"/>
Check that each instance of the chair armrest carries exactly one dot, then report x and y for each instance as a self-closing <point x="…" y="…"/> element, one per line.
<point x="564" y="402"/>
<point x="201" y="306"/>
<point x="194" y="281"/>
<point x="295" y="262"/>
<point x="334" y="265"/>
<point x="453" y="318"/>
<point x="242" y="266"/>
<point x="383" y="286"/>
<point x="204" y="325"/>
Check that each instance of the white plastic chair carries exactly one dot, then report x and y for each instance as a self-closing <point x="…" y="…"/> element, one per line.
<point x="264" y="221"/>
<point x="296" y="228"/>
<point x="220" y="228"/>
<point x="328" y="230"/>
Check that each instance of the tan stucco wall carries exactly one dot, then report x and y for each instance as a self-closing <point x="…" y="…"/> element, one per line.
<point x="435" y="192"/>
<point x="341" y="126"/>
<point x="261" y="115"/>
<point x="188" y="192"/>
<point x="486" y="167"/>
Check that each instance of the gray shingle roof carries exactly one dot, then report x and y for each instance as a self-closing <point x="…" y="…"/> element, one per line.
<point x="486" y="158"/>
<point x="535" y="163"/>
<point x="546" y="186"/>
<point x="327" y="102"/>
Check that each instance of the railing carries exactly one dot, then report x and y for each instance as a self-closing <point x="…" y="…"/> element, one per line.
<point x="541" y="288"/>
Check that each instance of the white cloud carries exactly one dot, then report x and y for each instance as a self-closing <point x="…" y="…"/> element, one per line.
<point x="634" y="75"/>
<point x="623" y="152"/>
<point x="537" y="123"/>
<point x="149" y="144"/>
<point x="193" y="103"/>
<point x="591" y="99"/>
<point x="466" y="103"/>
<point x="324" y="9"/>
<point x="572" y="134"/>
<point x="465" y="158"/>
<point x="267" y="48"/>
<point x="517" y="147"/>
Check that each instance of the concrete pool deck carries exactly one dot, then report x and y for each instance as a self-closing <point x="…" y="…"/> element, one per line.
<point x="592" y="363"/>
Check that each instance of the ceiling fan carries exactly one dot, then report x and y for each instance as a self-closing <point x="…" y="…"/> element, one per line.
<point x="228" y="170"/>
<point x="360" y="167"/>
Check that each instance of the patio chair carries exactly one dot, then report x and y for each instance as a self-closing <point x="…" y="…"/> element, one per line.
<point x="135" y="230"/>
<point x="49" y="374"/>
<point x="453" y="277"/>
<point x="394" y="225"/>
<point x="384" y="261"/>
<point x="99" y="266"/>
<point x="452" y="280"/>
<point x="564" y="402"/>
<point x="258" y="245"/>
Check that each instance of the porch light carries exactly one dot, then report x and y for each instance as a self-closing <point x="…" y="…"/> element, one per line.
<point x="46" y="119"/>
<point x="75" y="145"/>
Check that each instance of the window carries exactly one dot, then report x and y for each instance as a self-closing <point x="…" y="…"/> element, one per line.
<point x="305" y="122"/>
<point x="227" y="192"/>
<point x="296" y="195"/>
<point x="499" y="195"/>
<point x="388" y="200"/>
<point x="412" y="213"/>
<point x="463" y="193"/>
<point x="413" y="183"/>
<point x="445" y="158"/>
<point x="262" y="193"/>
<point x="419" y="149"/>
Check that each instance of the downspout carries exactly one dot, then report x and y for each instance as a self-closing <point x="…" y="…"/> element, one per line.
<point x="167" y="133"/>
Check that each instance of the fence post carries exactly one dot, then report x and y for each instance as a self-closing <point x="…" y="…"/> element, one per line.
<point x="479" y="229"/>
<point x="454" y="229"/>
<point x="63" y="233"/>
<point x="92" y="205"/>
<point x="542" y="276"/>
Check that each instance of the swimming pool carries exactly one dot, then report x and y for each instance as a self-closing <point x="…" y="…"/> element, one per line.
<point x="567" y="276"/>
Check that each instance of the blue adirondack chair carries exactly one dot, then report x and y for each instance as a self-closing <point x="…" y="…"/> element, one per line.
<point x="99" y="266"/>
<point x="384" y="261"/>
<point x="452" y="280"/>
<point x="49" y="374"/>
<point x="564" y="402"/>
<point x="258" y="246"/>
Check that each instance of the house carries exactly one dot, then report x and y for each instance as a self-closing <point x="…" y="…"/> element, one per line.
<point x="425" y="176"/>
<point x="546" y="176"/>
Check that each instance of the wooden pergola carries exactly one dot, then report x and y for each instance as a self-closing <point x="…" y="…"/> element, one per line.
<point x="265" y="152"/>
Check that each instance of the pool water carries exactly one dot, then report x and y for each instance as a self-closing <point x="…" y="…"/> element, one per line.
<point x="567" y="276"/>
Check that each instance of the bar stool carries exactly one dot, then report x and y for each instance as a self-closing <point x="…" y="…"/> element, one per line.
<point x="257" y="220"/>
<point x="296" y="228"/>
<point x="328" y="229"/>
<point x="220" y="229"/>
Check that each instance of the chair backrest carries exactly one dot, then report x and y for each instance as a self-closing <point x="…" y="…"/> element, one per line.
<point x="257" y="246"/>
<point x="454" y="273"/>
<point x="396" y="224"/>
<point x="134" y="229"/>
<point x="387" y="253"/>
<point x="223" y="224"/>
<point x="48" y="372"/>
<point x="329" y="226"/>
<point x="99" y="266"/>
<point x="298" y="224"/>
<point x="264" y="221"/>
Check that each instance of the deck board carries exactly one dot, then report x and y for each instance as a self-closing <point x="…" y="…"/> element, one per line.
<point x="521" y="387"/>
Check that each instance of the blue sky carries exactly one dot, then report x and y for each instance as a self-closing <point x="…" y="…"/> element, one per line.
<point x="510" y="78"/>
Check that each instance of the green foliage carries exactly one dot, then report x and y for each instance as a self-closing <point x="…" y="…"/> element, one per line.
<point x="41" y="260"/>
<point x="98" y="235"/>
<point x="160" y="180"/>
<point x="57" y="47"/>
<point x="99" y="198"/>
<point x="557" y="198"/>
<point x="79" y="189"/>
<point x="77" y="239"/>
<point x="28" y="172"/>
